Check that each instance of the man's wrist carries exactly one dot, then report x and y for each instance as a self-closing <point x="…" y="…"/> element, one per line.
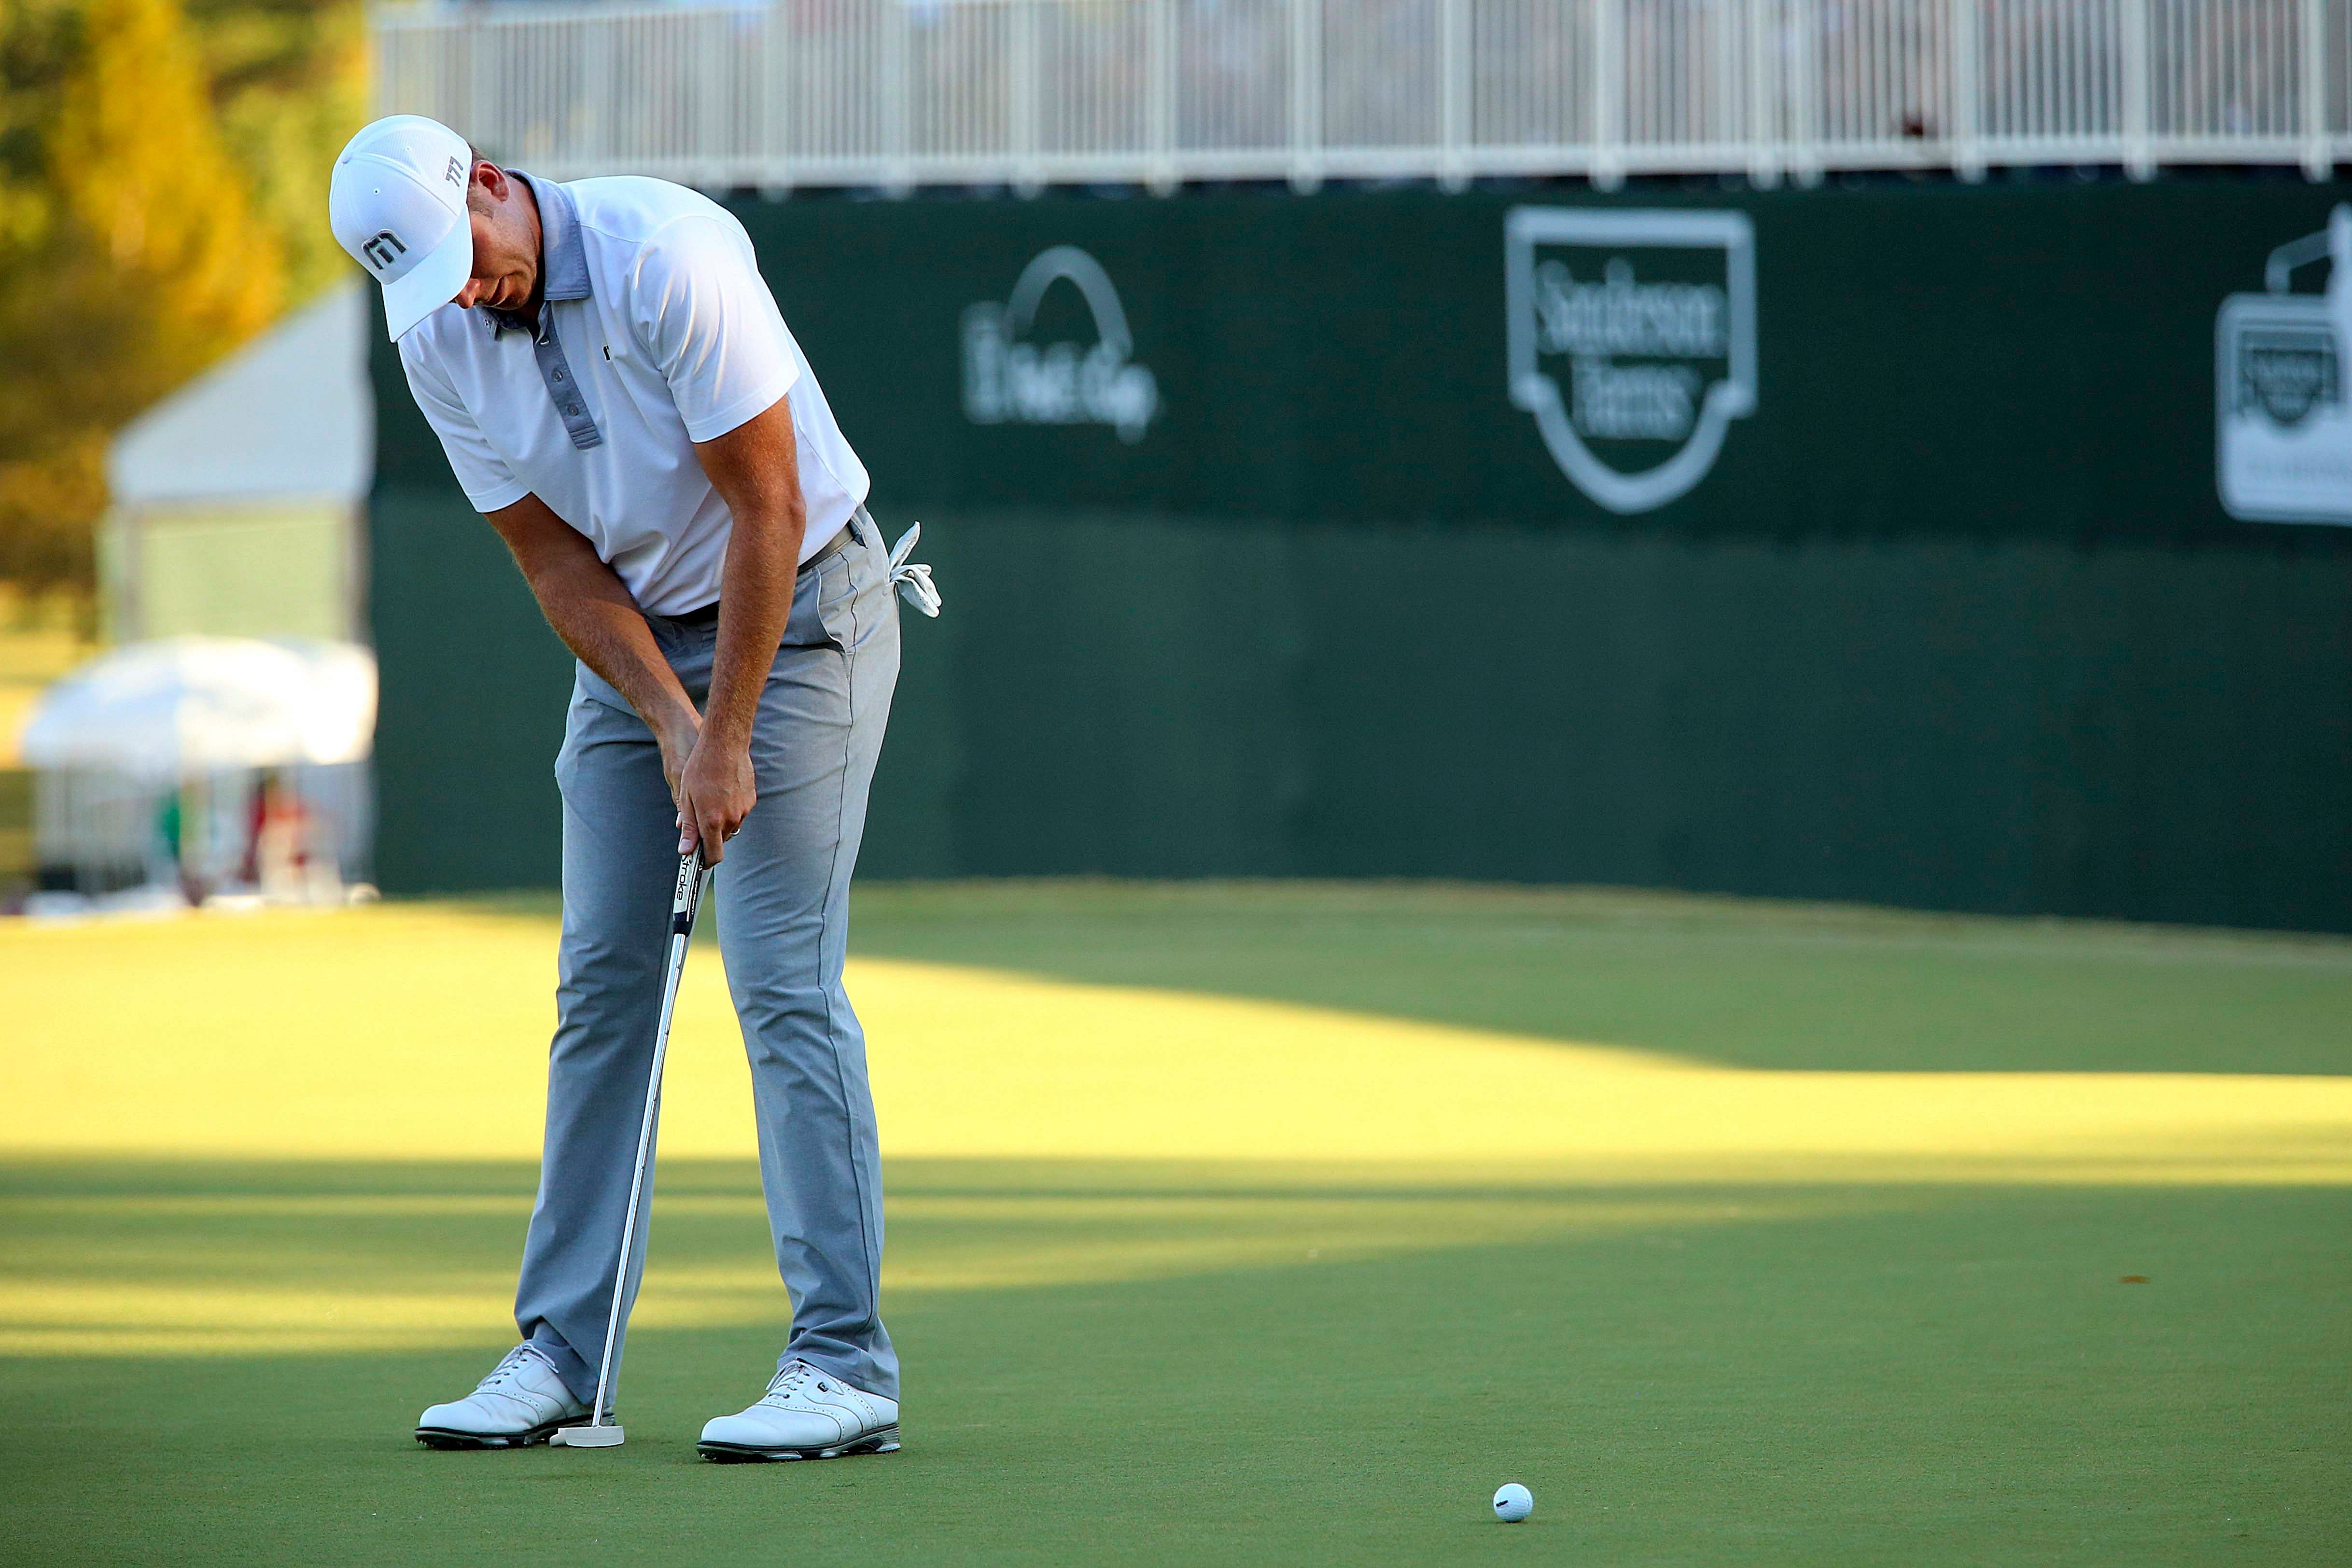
<point x="679" y="729"/>
<point x="727" y="732"/>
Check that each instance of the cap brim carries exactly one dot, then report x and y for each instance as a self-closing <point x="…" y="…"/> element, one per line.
<point x="431" y="283"/>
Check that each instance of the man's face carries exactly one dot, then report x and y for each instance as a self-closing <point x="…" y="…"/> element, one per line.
<point x="506" y="242"/>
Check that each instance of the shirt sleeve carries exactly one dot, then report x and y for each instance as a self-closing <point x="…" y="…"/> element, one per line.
<point x="488" y="482"/>
<point x="706" y="317"/>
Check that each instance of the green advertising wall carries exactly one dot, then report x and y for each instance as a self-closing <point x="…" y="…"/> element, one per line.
<point x="1259" y="560"/>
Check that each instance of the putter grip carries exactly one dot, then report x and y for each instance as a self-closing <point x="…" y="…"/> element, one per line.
<point x="688" y="894"/>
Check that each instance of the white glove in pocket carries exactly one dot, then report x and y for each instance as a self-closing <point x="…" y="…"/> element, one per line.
<point x="913" y="578"/>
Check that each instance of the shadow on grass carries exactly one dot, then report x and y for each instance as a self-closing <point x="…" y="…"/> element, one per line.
<point x="1152" y="1365"/>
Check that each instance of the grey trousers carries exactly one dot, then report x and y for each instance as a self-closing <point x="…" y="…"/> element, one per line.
<point x="781" y="899"/>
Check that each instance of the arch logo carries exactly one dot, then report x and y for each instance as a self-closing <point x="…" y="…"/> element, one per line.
<point x="1010" y="376"/>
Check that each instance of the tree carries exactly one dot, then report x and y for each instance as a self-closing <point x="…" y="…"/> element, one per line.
<point x="151" y="175"/>
<point x="290" y="86"/>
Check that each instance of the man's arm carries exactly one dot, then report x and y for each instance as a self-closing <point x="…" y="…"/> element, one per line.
<point x="755" y="469"/>
<point x="597" y="618"/>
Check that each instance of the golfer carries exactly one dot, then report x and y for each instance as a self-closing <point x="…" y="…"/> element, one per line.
<point x="618" y="394"/>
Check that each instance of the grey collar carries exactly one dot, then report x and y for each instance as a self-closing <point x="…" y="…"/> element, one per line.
<point x="562" y="259"/>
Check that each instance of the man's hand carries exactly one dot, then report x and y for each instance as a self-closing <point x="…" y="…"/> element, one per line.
<point x="716" y="791"/>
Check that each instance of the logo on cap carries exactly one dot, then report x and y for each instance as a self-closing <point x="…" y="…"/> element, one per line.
<point x="383" y="249"/>
<point x="457" y="172"/>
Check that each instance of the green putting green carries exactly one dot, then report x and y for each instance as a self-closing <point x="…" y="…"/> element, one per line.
<point x="1922" y="1346"/>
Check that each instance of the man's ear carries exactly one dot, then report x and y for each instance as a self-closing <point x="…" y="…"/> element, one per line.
<point x="489" y="187"/>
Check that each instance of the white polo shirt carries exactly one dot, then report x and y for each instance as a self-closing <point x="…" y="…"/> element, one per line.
<point x="656" y="331"/>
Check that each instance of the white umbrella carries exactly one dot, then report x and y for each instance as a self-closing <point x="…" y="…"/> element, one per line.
<point x="166" y="710"/>
<point x="338" y="718"/>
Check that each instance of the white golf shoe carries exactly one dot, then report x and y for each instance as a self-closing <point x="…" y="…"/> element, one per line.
<point x="805" y="1414"/>
<point x="519" y="1404"/>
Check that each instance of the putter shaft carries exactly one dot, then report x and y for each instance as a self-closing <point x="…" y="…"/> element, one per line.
<point x="684" y="904"/>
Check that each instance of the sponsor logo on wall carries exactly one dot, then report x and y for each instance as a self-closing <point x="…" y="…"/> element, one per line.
<point x="1010" y="376"/>
<point x="2286" y="421"/>
<point x="1632" y="339"/>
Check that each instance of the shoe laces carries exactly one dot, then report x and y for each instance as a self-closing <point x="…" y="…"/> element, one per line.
<point x="510" y="1367"/>
<point x="793" y="1379"/>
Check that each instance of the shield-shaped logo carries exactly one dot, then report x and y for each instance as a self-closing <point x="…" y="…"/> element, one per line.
<point x="2286" y="369"/>
<point x="1632" y="341"/>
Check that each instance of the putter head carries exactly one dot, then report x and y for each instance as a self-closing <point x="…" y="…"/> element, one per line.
<point x="586" y="1437"/>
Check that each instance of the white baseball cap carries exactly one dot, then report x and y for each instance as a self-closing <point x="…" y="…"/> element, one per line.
<point x="397" y="203"/>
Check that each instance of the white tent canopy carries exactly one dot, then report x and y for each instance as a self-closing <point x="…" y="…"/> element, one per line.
<point x="172" y="709"/>
<point x="290" y="415"/>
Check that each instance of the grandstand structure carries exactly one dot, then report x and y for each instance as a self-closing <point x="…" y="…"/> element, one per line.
<point x="898" y="94"/>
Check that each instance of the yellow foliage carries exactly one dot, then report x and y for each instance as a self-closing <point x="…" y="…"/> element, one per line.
<point x="152" y="173"/>
<point x="139" y="163"/>
<point x="47" y="501"/>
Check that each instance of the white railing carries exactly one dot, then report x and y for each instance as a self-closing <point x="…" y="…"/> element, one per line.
<point x="896" y="93"/>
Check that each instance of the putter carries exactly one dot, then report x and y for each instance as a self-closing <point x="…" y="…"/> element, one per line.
<point x="684" y="902"/>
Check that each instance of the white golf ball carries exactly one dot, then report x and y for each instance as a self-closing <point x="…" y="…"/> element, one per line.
<point x="1513" y="1503"/>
